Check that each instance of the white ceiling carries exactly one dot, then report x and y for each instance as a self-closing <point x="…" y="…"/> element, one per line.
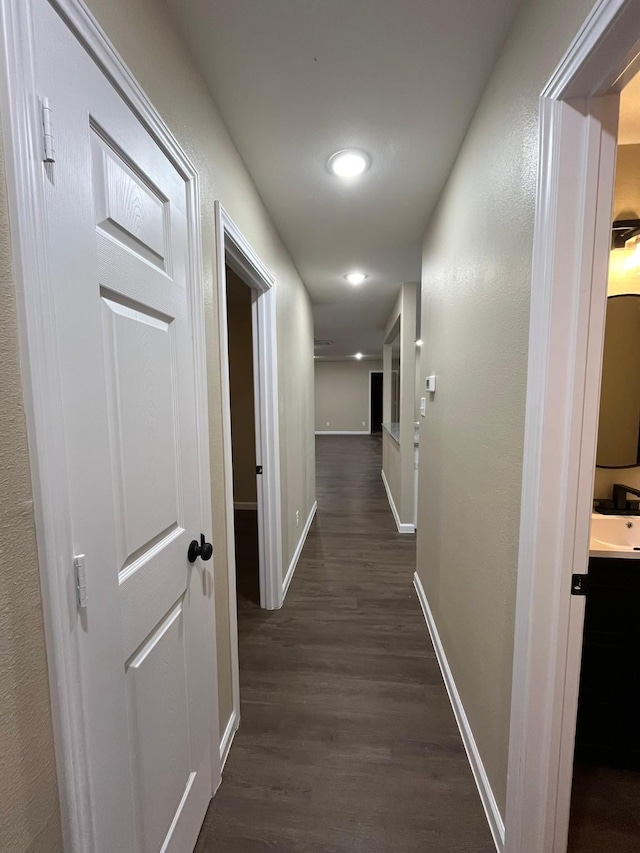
<point x="296" y="80"/>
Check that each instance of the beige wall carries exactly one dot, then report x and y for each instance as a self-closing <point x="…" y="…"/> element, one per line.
<point x="398" y="458"/>
<point x="475" y="314"/>
<point x="626" y="202"/>
<point x="243" y="433"/>
<point x="143" y="34"/>
<point x="342" y="395"/>
<point x="30" y="821"/>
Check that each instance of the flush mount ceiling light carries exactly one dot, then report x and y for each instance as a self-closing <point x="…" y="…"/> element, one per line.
<point x="419" y="342"/>
<point x="349" y="163"/>
<point x="355" y="277"/>
<point x="358" y="355"/>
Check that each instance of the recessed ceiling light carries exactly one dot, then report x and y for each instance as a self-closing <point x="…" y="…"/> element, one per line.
<point x="355" y="277"/>
<point x="419" y="342"/>
<point x="358" y="355"/>
<point x="349" y="163"/>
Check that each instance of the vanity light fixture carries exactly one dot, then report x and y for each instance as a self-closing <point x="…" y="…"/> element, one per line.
<point x="355" y="277"/>
<point x="358" y="355"/>
<point x="349" y="163"/>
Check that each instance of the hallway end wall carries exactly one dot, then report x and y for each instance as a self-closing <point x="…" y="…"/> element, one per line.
<point x="342" y="395"/>
<point x="475" y="316"/>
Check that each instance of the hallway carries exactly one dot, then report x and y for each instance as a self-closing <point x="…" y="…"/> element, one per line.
<point x="347" y="742"/>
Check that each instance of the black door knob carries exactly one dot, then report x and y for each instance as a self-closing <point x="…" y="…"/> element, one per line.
<point x="201" y="549"/>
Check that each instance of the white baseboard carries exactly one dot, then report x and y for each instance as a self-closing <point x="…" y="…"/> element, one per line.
<point x="298" y="551"/>
<point x="342" y="432"/>
<point x="403" y="527"/>
<point x="245" y="505"/>
<point x="227" y="738"/>
<point x="496" y="823"/>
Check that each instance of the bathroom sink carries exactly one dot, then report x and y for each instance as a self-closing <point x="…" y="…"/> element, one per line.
<point x="615" y="536"/>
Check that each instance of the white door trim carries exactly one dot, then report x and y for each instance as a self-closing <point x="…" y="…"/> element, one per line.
<point x="233" y="248"/>
<point x="577" y="149"/>
<point x="22" y="136"/>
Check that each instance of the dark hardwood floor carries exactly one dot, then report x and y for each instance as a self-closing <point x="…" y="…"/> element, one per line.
<point x="246" y="541"/>
<point x="347" y="743"/>
<point x="605" y="815"/>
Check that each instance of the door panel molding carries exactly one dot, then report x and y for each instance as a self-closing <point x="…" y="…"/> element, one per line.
<point x="22" y="135"/>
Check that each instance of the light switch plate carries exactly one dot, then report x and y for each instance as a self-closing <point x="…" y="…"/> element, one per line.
<point x="423" y="406"/>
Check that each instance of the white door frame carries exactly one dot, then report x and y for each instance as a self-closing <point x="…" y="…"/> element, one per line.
<point x="22" y="135"/>
<point x="577" y="151"/>
<point x="371" y="372"/>
<point x="236" y="251"/>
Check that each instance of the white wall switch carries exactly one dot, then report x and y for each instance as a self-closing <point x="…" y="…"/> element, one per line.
<point x="423" y="406"/>
<point x="430" y="384"/>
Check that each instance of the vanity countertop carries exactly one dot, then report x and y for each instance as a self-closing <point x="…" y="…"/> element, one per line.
<point x="615" y="536"/>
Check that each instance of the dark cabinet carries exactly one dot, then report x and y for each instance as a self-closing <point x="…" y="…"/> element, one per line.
<point x="608" y="725"/>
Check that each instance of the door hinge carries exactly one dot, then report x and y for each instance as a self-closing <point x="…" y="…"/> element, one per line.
<point x="47" y="127"/>
<point x="579" y="584"/>
<point x="258" y="469"/>
<point x="81" y="579"/>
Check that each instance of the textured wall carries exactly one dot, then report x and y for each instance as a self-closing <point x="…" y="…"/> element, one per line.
<point x="342" y="395"/>
<point x="475" y="315"/>
<point x="29" y="815"/>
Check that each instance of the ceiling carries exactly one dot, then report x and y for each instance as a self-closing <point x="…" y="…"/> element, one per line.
<point x="297" y="80"/>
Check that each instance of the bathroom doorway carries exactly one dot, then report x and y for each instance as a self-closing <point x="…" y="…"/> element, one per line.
<point x="605" y="795"/>
<point x="579" y="112"/>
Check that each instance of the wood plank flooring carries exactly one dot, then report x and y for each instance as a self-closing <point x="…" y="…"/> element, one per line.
<point x="347" y="743"/>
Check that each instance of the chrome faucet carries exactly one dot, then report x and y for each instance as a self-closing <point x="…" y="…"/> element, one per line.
<point x="620" y="493"/>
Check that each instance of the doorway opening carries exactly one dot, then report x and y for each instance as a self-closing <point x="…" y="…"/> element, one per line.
<point x="243" y="438"/>
<point x="606" y="768"/>
<point x="375" y="401"/>
<point x="248" y="347"/>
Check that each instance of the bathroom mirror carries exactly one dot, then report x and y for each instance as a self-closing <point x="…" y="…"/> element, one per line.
<point x="619" y="424"/>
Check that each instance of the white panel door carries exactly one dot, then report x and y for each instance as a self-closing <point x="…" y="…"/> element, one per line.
<point x="118" y="230"/>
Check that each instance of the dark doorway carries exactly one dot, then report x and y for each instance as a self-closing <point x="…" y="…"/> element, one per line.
<point x="376" y="400"/>
<point x="243" y="439"/>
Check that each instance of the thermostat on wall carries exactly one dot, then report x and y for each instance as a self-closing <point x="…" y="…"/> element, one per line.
<point x="430" y="384"/>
